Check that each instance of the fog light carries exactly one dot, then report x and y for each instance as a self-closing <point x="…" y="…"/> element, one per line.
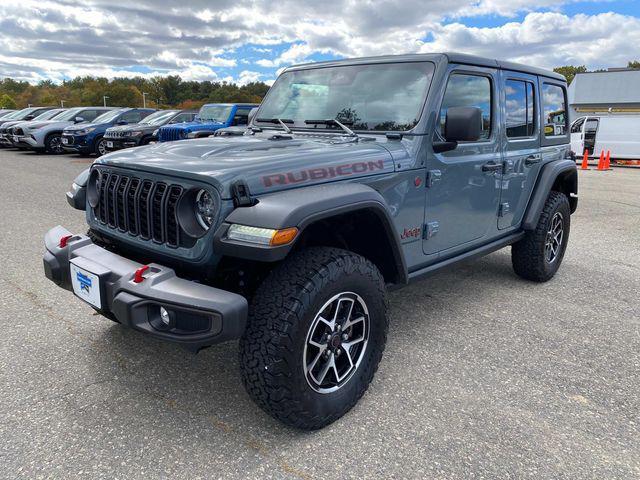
<point x="164" y="316"/>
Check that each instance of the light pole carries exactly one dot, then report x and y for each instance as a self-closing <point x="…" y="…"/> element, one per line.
<point x="104" y="100"/>
<point x="144" y="100"/>
<point x="29" y="105"/>
<point x="62" y="103"/>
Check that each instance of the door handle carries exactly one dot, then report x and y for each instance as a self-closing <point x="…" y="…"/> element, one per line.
<point x="491" y="167"/>
<point x="532" y="160"/>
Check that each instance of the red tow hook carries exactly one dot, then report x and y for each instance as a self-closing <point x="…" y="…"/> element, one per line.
<point x="138" y="278"/>
<point x="64" y="240"/>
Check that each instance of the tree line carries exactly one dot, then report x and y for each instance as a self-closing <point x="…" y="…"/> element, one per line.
<point x="162" y="92"/>
<point x="570" y="71"/>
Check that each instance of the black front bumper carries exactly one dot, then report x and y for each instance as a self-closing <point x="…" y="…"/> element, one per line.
<point x="200" y="315"/>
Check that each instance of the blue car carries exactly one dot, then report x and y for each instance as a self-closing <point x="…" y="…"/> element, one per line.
<point x="88" y="137"/>
<point x="211" y="117"/>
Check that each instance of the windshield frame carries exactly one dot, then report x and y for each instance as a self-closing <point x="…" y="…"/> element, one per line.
<point x="337" y="130"/>
<point x="71" y="112"/>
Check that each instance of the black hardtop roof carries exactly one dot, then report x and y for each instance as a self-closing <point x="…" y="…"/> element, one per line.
<point x="451" y="57"/>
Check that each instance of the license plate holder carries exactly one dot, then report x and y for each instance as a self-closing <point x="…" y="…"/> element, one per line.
<point x="65" y="140"/>
<point x="109" y="144"/>
<point x="87" y="280"/>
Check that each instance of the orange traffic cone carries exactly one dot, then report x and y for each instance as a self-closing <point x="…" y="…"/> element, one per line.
<point x="585" y="160"/>
<point x="607" y="161"/>
<point x="601" y="161"/>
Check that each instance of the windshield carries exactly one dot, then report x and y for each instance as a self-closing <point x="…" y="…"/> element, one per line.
<point x="107" y="117"/>
<point x="69" y="114"/>
<point x="20" y="114"/>
<point x="158" y="118"/>
<point x="11" y="115"/>
<point x="214" y="113"/>
<point x="365" y="97"/>
<point x="49" y="114"/>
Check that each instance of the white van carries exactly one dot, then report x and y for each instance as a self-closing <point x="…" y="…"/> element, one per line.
<point x="619" y="134"/>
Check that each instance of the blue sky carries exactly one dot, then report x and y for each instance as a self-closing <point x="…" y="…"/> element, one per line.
<point x="242" y="41"/>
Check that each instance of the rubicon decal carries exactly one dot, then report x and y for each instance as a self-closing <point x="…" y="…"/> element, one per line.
<point x="322" y="173"/>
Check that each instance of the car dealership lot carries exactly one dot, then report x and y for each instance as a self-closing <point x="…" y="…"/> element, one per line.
<point x="485" y="375"/>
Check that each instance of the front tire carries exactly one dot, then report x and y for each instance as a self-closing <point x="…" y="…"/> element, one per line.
<point x="101" y="147"/>
<point x="316" y="333"/>
<point x="539" y="254"/>
<point x="53" y="144"/>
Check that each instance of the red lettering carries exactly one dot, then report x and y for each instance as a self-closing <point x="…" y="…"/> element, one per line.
<point x="277" y="179"/>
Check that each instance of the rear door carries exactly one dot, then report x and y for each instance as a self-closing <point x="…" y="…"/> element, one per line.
<point x="521" y="140"/>
<point x="464" y="184"/>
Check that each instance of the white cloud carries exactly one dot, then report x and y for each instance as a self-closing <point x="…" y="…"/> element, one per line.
<point x="52" y="39"/>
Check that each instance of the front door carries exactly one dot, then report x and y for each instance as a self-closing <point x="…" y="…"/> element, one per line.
<point x="521" y="140"/>
<point x="463" y="185"/>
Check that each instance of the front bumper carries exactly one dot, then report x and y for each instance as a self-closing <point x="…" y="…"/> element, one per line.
<point x="120" y="143"/>
<point x="200" y="315"/>
<point x="5" y="139"/>
<point x="76" y="143"/>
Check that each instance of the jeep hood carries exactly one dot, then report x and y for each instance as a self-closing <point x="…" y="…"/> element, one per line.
<point x="265" y="164"/>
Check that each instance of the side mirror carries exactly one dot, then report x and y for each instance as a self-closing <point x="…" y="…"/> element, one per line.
<point x="462" y="124"/>
<point x="252" y="113"/>
<point x="29" y="117"/>
<point x="79" y="119"/>
<point x="122" y="122"/>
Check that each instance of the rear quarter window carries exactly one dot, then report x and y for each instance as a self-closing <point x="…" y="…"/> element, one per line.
<point x="554" y="105"/>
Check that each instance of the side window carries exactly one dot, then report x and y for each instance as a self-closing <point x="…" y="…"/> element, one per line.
<point x="577" y="125"/>
<point x="464" y="90"/>
<point x="554" y="109"/>
<point x="241" y="117"/>
<point x="89" y="115"/>
<point x="131" y="117"/>
<point x="520" y="106"/>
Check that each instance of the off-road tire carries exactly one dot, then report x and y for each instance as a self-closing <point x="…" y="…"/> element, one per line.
<point x="528" y="255"/>
<point x="280" y="315"/>
<point x="51" y="146"/>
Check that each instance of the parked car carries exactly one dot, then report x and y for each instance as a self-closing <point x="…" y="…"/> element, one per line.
<point x="355" y="176"/>
<point x="89" y="137"/>
<point x="142" y="133"/>
<point x="21" y="115"/>
<point x="15" y="129"/>
<point x="47" y="135"/>
<point x="617" y="133"/>
<point x="6" y="137"/>
<point x="210" y="118"/>
<point x="5" y="111"/>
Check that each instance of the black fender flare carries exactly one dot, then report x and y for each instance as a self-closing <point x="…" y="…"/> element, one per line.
<point x="301" y="208"/>
<point x="565" y="169"/>
<point x="77" y="196"/>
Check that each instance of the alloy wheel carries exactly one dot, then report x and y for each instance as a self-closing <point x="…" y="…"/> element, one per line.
<point x="336" y="342"/>
<point x="554" y="238"/>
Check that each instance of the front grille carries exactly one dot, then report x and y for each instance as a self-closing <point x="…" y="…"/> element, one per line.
<point x="169" y="134"/>
<point x="116" y="134"/>
<point x="70" y="138"/>
<point x="140" y="207"/>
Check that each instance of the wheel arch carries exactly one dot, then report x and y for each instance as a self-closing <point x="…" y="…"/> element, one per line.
<point x="351" y="216"/>
<point x="561" y="176"/>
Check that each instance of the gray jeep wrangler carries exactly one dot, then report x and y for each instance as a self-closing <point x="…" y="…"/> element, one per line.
<point x="353" y="177"/>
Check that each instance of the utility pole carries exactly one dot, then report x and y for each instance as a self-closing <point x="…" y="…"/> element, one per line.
<point x="104" y="100"/>
<point x="144" y="100"/>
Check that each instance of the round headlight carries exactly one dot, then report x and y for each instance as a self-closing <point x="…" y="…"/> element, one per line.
<point x="205" y="209"/>
<point x="93" y="188"/>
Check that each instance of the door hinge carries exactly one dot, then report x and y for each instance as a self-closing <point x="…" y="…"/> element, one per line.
<point x="503" y="210"/>
<point x="433" y="176"/>
<point x="430" y="229"/>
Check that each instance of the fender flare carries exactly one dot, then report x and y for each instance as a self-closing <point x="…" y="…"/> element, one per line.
<point x="77" y="196"/>
<point x="301" y="208"/>
<point x="547" y="178"/>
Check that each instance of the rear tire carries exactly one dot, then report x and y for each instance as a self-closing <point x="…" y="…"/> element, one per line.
<point x="298" y="363"/>
<point x="539" y="254"/>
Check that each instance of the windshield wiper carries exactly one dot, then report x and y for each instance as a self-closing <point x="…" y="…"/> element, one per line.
<point x="333" y="121"/>
<point x="281" y="121"/>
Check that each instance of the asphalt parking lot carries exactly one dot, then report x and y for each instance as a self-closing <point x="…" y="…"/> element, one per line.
<point x="485" y="375"/>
